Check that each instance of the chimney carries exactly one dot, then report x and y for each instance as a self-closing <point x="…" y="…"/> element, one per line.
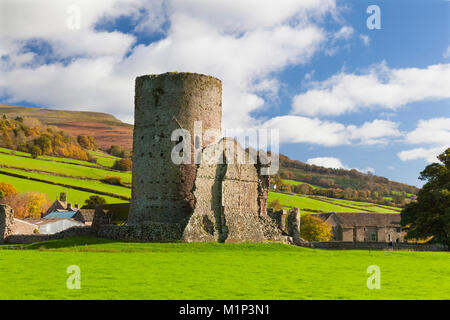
<point x="69" y="206"/>
<point x="76" y="206"/>
<point x="63" y="198"/>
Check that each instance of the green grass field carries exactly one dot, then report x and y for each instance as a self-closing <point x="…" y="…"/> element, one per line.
<point x="61" y="168"/>
<point x="305" y="203"/>
<point x="294" y="183"/>
<point x="114" y="270"/>
<point x="103" y="159"/>
<point x="52" y="191"/>
<point x="91" y="184"/>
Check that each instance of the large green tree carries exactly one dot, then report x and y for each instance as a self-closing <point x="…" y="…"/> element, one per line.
<point x="429" y="216"/>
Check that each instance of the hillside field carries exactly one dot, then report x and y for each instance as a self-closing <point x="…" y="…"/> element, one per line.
<point x="115" y="270"/>
<point x="76" y="173"/>
<point x="312" y="204"/>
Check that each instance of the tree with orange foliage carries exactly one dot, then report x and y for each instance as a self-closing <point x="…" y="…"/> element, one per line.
<point x="314" y="229"/>
<point x="6" y="189"/>
<point x="27" y="205"/>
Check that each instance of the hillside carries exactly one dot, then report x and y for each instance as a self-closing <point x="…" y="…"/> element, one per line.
<point x="105" y="128"/>
<point x="81" y="179"/>
<point x="350" y="185"/>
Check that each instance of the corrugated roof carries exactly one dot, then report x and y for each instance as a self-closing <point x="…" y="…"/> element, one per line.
<point x="60" y="215"/>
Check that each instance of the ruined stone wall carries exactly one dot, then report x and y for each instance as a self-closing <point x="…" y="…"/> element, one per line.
<point x="227" y="199"/>
<point x="162" y="190"/>
<point x="6" y="221"/>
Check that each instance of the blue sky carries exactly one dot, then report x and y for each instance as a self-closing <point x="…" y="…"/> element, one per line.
<point x="342" y="95"/>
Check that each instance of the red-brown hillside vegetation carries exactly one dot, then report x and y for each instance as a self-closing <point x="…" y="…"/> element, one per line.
<point x="105" y="128"/>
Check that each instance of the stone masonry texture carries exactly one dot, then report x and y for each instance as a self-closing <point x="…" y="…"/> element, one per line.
<point x="204" y="201"/>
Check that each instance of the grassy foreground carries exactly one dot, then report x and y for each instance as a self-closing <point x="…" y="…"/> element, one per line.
<point x="114" y="270"/>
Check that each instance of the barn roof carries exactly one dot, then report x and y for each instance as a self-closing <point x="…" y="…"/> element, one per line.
<point x="365" y="219"/>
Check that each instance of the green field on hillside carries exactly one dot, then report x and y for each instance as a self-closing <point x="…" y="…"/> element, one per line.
<point x="91" y="184"/>
<point x="61" y="168"/>
<point x="103" y="159"/>
<point x="306" y="203"/>
<point x="115" y="270"/>
<point x="294" y="183"/>
<point x="365" y="205"/>
<point x="52" y="191"/>
<point x="313" y="203"/>
<point x="60" y="159"/>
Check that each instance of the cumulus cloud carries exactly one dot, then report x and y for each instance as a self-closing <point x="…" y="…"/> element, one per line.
<point x="427" y="154"/>
<point x="327" y="162"/>
<point x="344" y="33"/>
<point x="295" y="129"/>
<point x="365" y="39"/>
<point x="447" y="53"/>
<point x="380" y="87"/>
<point x="435" y="133"/>
<point x="243" y="43"/>
<point x="335" y="163"/>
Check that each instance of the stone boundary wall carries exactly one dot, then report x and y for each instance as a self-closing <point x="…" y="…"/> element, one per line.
<point x="33" y="238"/>
<point x="342" y="245"/>
<point x="148" y="232"/>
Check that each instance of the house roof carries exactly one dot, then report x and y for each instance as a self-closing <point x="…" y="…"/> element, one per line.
<point x="60" y="215"/>
<point x="43" y="221"/>
<point x="87" y="214"/>
<point x="351" y="219"/>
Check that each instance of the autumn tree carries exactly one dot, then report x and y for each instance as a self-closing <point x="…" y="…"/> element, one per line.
<point x="6" y="190"/>
<point x="125" y="164"/>
<point x="314" y="229"/>
<point x="275" y="205"/>
<point x="27" y="205"/>
<point x="303" y="188"/>
<point x="93" y="201"/>
<point x="87" y="142"/>
<point x="35" y="152"/>
<point x="429" y="216"/>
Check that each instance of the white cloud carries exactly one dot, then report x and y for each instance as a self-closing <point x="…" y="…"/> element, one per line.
<point x="327" y="162"/>
<point x="344" y="33"/>
<point x="365" y="39"/>
<point x="433" y="132"/>
<point x="243" y="43"/>
<point x="427" y="154"/>
<point x="375" y="132"/>
<point x="380" y="87"/>
<point x="297" y="129"/>
<point x="335" y="163"/>
<point x="446" y="54"/>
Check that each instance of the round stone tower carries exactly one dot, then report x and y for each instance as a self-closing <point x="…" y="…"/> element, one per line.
<point x="162" y="191"/>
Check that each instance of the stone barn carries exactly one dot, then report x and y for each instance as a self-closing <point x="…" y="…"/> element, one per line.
<point x="364" y="226"/>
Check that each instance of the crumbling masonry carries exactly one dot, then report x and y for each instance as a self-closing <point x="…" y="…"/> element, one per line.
<point x="203" y="201"/>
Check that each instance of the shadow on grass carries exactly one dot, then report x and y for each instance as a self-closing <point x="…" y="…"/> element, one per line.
<point x="60" y="243"/>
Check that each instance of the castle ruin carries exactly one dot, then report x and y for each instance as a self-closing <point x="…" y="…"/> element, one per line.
<point x="202" y="200"/>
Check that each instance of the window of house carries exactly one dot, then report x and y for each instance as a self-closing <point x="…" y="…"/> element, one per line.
<point x="373" y="236"/>
<point x="397" y="229"/>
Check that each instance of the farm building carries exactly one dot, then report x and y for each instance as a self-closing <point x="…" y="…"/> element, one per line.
<point x="364" y="226"/>
<point x="61" y="205"/>
<point x="44" y="225"/>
